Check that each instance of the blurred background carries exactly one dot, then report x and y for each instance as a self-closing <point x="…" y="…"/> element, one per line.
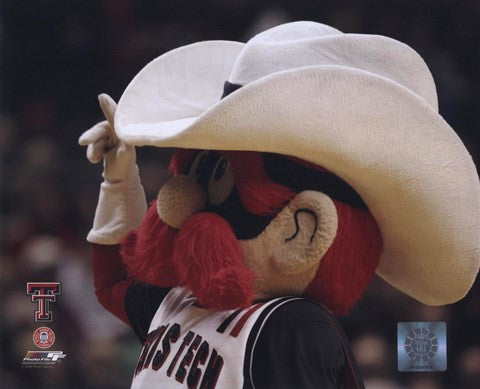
<point x="57" y="56"/>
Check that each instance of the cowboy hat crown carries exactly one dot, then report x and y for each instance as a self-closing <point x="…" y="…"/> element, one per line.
<point x="302" y="44"/>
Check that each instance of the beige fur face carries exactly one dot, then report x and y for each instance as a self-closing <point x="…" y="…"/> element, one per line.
<point x="179" y="198"/>
<point x="286" y="255"/>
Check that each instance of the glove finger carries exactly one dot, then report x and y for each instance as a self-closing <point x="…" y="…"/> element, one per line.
<point x="96" y="151"/>
<point x="94" y="134"/>
<point x="108" y="106"/>
<point x="125" y="148"/>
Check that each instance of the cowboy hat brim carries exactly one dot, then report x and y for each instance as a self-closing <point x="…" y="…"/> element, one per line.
<point x="403" y="159"/>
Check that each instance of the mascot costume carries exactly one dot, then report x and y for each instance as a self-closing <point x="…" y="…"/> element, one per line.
<point x="307" y="160"/>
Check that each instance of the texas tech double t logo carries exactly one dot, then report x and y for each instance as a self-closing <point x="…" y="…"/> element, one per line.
<point x="43" y="293"/>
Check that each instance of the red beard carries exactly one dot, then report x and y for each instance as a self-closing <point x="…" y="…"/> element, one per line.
<point x="203" y="255"/>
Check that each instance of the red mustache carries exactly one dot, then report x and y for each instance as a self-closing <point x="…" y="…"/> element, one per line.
<point x="203" y="255"/>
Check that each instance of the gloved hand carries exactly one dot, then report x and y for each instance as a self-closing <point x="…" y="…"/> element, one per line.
<point x="121" y="204"/>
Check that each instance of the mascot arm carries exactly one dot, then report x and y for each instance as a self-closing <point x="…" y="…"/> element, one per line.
<point x="298" y="348"/>
<point x="110" y="279"/>
<point x="133" y="302"/>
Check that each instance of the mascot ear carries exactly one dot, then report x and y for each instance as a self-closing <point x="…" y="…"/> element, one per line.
<point x="302" y="232"/>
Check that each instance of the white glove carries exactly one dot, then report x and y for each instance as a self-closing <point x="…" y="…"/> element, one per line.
<point x="121" y="205"/>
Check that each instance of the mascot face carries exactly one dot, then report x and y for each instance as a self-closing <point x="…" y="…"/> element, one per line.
<point x="237" y="226"/>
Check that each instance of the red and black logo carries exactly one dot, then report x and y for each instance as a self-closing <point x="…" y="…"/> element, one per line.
<point x="43" y="337"/>
<point x="43" y="293"/>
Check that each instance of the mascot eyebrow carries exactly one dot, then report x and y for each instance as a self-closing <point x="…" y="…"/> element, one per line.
<point x="264" y="184"/>
<point x="290" y="172"/>
<point x="301" y="175"/>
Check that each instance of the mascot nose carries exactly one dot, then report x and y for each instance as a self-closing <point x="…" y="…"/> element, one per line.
<point x="179" y="198"/>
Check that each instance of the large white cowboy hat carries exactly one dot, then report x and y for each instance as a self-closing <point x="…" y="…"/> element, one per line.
<point x="362" y="106"/>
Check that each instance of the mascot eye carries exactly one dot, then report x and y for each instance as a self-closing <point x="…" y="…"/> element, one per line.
<point x="221" y="182"/>
<point x="199" y="163"/>
<point x="220" y="169"/>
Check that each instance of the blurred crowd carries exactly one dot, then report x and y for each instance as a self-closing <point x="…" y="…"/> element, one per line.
<point x="57" y="56"/>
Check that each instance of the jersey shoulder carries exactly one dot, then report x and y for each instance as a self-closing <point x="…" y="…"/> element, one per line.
<point x="299" y="311"/>
<point x="294" y="343"/>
